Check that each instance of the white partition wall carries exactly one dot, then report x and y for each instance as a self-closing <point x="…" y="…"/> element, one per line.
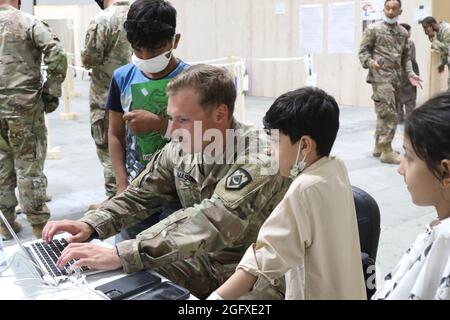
<point x="270" y="28"/>
<point x="255" y="29"/>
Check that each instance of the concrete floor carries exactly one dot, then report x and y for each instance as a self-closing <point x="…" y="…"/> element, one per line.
<point x="76" y="180"/>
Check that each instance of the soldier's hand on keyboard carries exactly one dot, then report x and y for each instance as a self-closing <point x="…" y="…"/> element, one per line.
<point x="80" y="231"/>
<point x="91" y="256"/>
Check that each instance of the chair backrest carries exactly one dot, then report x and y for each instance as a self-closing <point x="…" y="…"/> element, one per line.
<point x="368" y="215"/>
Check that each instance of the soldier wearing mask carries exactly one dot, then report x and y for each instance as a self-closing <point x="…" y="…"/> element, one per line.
<point x="384" y="51"/>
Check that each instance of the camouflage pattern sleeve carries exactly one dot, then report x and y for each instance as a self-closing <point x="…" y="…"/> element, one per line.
<point x="92" y="54"/>
<point x="412" y="48"/>
<point x="54" y="58"/>
<point x="230" y="218"/>
<point x="406" y="59"/>
<point x="367" y="46"/>
<point x="154" y="187"/>
<point x="442" y="46"/>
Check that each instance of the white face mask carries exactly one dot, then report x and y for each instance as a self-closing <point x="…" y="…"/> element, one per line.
<point x="154" y="65"/>
<point x="298" y="168"/>
<point x="391" y="21"/>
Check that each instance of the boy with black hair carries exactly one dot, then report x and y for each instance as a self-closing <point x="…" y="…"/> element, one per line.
<point x="151" y="30"/>
<point x="311" y="237"/>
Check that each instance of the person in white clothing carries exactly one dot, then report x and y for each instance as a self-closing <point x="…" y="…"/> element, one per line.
<point x="424" y="271"/>
<point x="311" y="237"/>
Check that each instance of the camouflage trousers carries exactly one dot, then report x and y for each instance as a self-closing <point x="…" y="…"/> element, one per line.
<point x="386" y="96"/>
<point x="406" y="108"/>
<point x="202" y="276"/>
<point x="23" y="149"/>
<point x="407" y="104"/>
<point x="99" y="131"/>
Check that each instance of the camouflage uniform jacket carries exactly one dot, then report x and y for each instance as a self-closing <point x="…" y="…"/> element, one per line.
<point x="106" y="49"/>
<point x="223" y="209"/>
<point x="23" y="41"/>
<point x="388" y="45"/>
<point x="441" y="42"/>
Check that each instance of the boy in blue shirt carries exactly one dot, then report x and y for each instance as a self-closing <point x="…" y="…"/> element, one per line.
<point x="151" y="30"/>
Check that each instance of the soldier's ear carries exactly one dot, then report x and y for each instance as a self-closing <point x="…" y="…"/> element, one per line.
<point x="220" y="114"/>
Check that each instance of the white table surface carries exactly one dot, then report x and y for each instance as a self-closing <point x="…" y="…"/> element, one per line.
<point x="21" y="282"/>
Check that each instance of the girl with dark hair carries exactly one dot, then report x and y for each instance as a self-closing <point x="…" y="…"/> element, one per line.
<point x="424" y="270"/>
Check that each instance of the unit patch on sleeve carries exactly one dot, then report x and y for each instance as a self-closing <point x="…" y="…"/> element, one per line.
<point x="238" y="180"/>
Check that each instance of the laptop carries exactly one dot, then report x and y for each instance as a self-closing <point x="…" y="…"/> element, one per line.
<point x="44" y="256"/>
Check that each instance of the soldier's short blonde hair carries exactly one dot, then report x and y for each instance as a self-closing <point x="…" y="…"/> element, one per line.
<point x="214" y="85"/>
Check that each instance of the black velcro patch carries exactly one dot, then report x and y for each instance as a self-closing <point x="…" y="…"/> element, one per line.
<point x="238" y="180"/>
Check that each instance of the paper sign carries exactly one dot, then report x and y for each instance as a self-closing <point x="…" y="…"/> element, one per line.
<point x="311" y="29"/>
<point x="341" y="27"/>
<point x="280" y="8"/>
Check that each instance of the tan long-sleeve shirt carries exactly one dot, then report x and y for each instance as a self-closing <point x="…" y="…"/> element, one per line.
<point x="312" y="238"/>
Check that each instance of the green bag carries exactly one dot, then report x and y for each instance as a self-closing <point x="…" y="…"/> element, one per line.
<point x="150" y="96"/>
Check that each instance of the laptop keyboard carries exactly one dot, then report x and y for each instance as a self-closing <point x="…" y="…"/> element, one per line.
<point x="49" y="254"/>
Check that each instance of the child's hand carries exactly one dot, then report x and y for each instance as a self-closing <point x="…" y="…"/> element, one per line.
<point x="142" y="121"/>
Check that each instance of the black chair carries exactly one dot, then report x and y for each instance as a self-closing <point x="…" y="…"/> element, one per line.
<point x="368" y="216"/>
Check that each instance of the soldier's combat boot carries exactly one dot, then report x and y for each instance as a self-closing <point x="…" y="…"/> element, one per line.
<point x="388" y="155"/>
<point x="37" y="230"/>
<point x="377" y="150"/>
<point x="4" y="232"/>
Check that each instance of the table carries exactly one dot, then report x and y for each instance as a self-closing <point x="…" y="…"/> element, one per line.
<point x="22" y="282"/>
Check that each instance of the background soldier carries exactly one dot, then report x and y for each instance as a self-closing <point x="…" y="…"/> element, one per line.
<point x="106" y="49"/>
<point x="439" y="35"/>
<point x="385" y="52"/>
<point x="224" y="203"/>
<point x="408" y="95"/>
<point x="23" y="100"/>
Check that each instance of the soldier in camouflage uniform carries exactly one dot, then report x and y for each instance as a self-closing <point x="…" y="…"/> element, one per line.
<point x="384" y="51"/>
<point x="106" y="49"/>
<point x="408" y="94"/>
<point x="439" y="35"/>
<point x="224" y="205"/>
<point x="24" y="98"/>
